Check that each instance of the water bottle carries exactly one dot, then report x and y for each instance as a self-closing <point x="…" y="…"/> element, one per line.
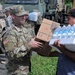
<point x="70" y="42"/>
<point x="64" y="37"/>
<point x="70" y="32"/>
<point x="55" y="34"/>
<point x="61" y="32"/>
<point x="74" y="31"/>
<point x="66" y="31"/>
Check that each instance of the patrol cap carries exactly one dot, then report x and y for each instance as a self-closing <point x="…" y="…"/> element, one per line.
<point x="2" y="15"/>
<point x="71" y="13"/>
<point x="7" y="9"/>
<point x="19" y="10"/>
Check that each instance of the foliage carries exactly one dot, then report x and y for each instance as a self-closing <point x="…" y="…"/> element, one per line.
<point x="68" y="1"/>
<point x="68" y="4"/>
<point x="43" y="65"/>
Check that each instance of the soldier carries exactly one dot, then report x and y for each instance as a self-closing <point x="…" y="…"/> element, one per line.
<point x="3" y="70"/>
<point x="18" y="42"/>
<point x="8" y="16"/>
<point x="2" y="22"/>
<point x="30" y="26"/>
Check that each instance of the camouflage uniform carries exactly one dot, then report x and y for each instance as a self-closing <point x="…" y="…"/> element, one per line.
<point x="16" y="45"/>
<point x="17" y="49"/>
<point x="8" y="16"/>
<point x="3" y="70"/>
<point x="2" y="25"/>
<point x="30" y="27"/>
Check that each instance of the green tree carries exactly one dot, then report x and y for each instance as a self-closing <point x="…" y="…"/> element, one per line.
<point x="68" y="4"/>
<point x="68" y="1"/>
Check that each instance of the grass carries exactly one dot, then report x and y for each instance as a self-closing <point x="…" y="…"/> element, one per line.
<point x="43" y="65"/>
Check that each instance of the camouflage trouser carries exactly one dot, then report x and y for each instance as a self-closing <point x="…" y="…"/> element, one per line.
<point x="17" y="68"/>
<point x="20" y="70"/>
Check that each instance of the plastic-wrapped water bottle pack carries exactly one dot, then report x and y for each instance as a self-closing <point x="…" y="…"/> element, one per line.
<point x="66" y="35"/>
<point x="33" y="16"/>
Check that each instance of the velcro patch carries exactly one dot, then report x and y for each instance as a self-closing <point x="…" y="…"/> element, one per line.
<point x="5" y="41"/>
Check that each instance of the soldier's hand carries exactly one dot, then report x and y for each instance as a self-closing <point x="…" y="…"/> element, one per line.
<point x="35" y="44"/>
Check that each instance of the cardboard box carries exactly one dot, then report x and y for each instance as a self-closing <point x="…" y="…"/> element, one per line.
<point x="46" y="29"/>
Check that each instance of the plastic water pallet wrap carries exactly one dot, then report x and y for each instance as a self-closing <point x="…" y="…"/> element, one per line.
<point x="33" y="16"/>
<point x="66" y="35"/>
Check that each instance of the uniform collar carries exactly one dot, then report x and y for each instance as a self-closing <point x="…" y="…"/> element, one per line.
<point x="17" y="28"/>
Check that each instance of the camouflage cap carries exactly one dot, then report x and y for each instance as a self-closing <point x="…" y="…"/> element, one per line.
<point x="2" y="15"/>
<point x="7" y="9"/>
<point x="19" y="10"/>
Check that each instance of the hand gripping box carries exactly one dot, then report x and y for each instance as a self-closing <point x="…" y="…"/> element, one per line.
<point x="46" y="29"/>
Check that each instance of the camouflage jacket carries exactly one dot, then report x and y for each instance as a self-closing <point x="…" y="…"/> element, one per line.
<point x="16" y="41"/>
<point x="2" y="25"/>
<point x="30" y="27"/>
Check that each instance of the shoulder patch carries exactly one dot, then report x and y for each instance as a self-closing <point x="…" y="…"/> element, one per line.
<point x="5" y="41"/>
